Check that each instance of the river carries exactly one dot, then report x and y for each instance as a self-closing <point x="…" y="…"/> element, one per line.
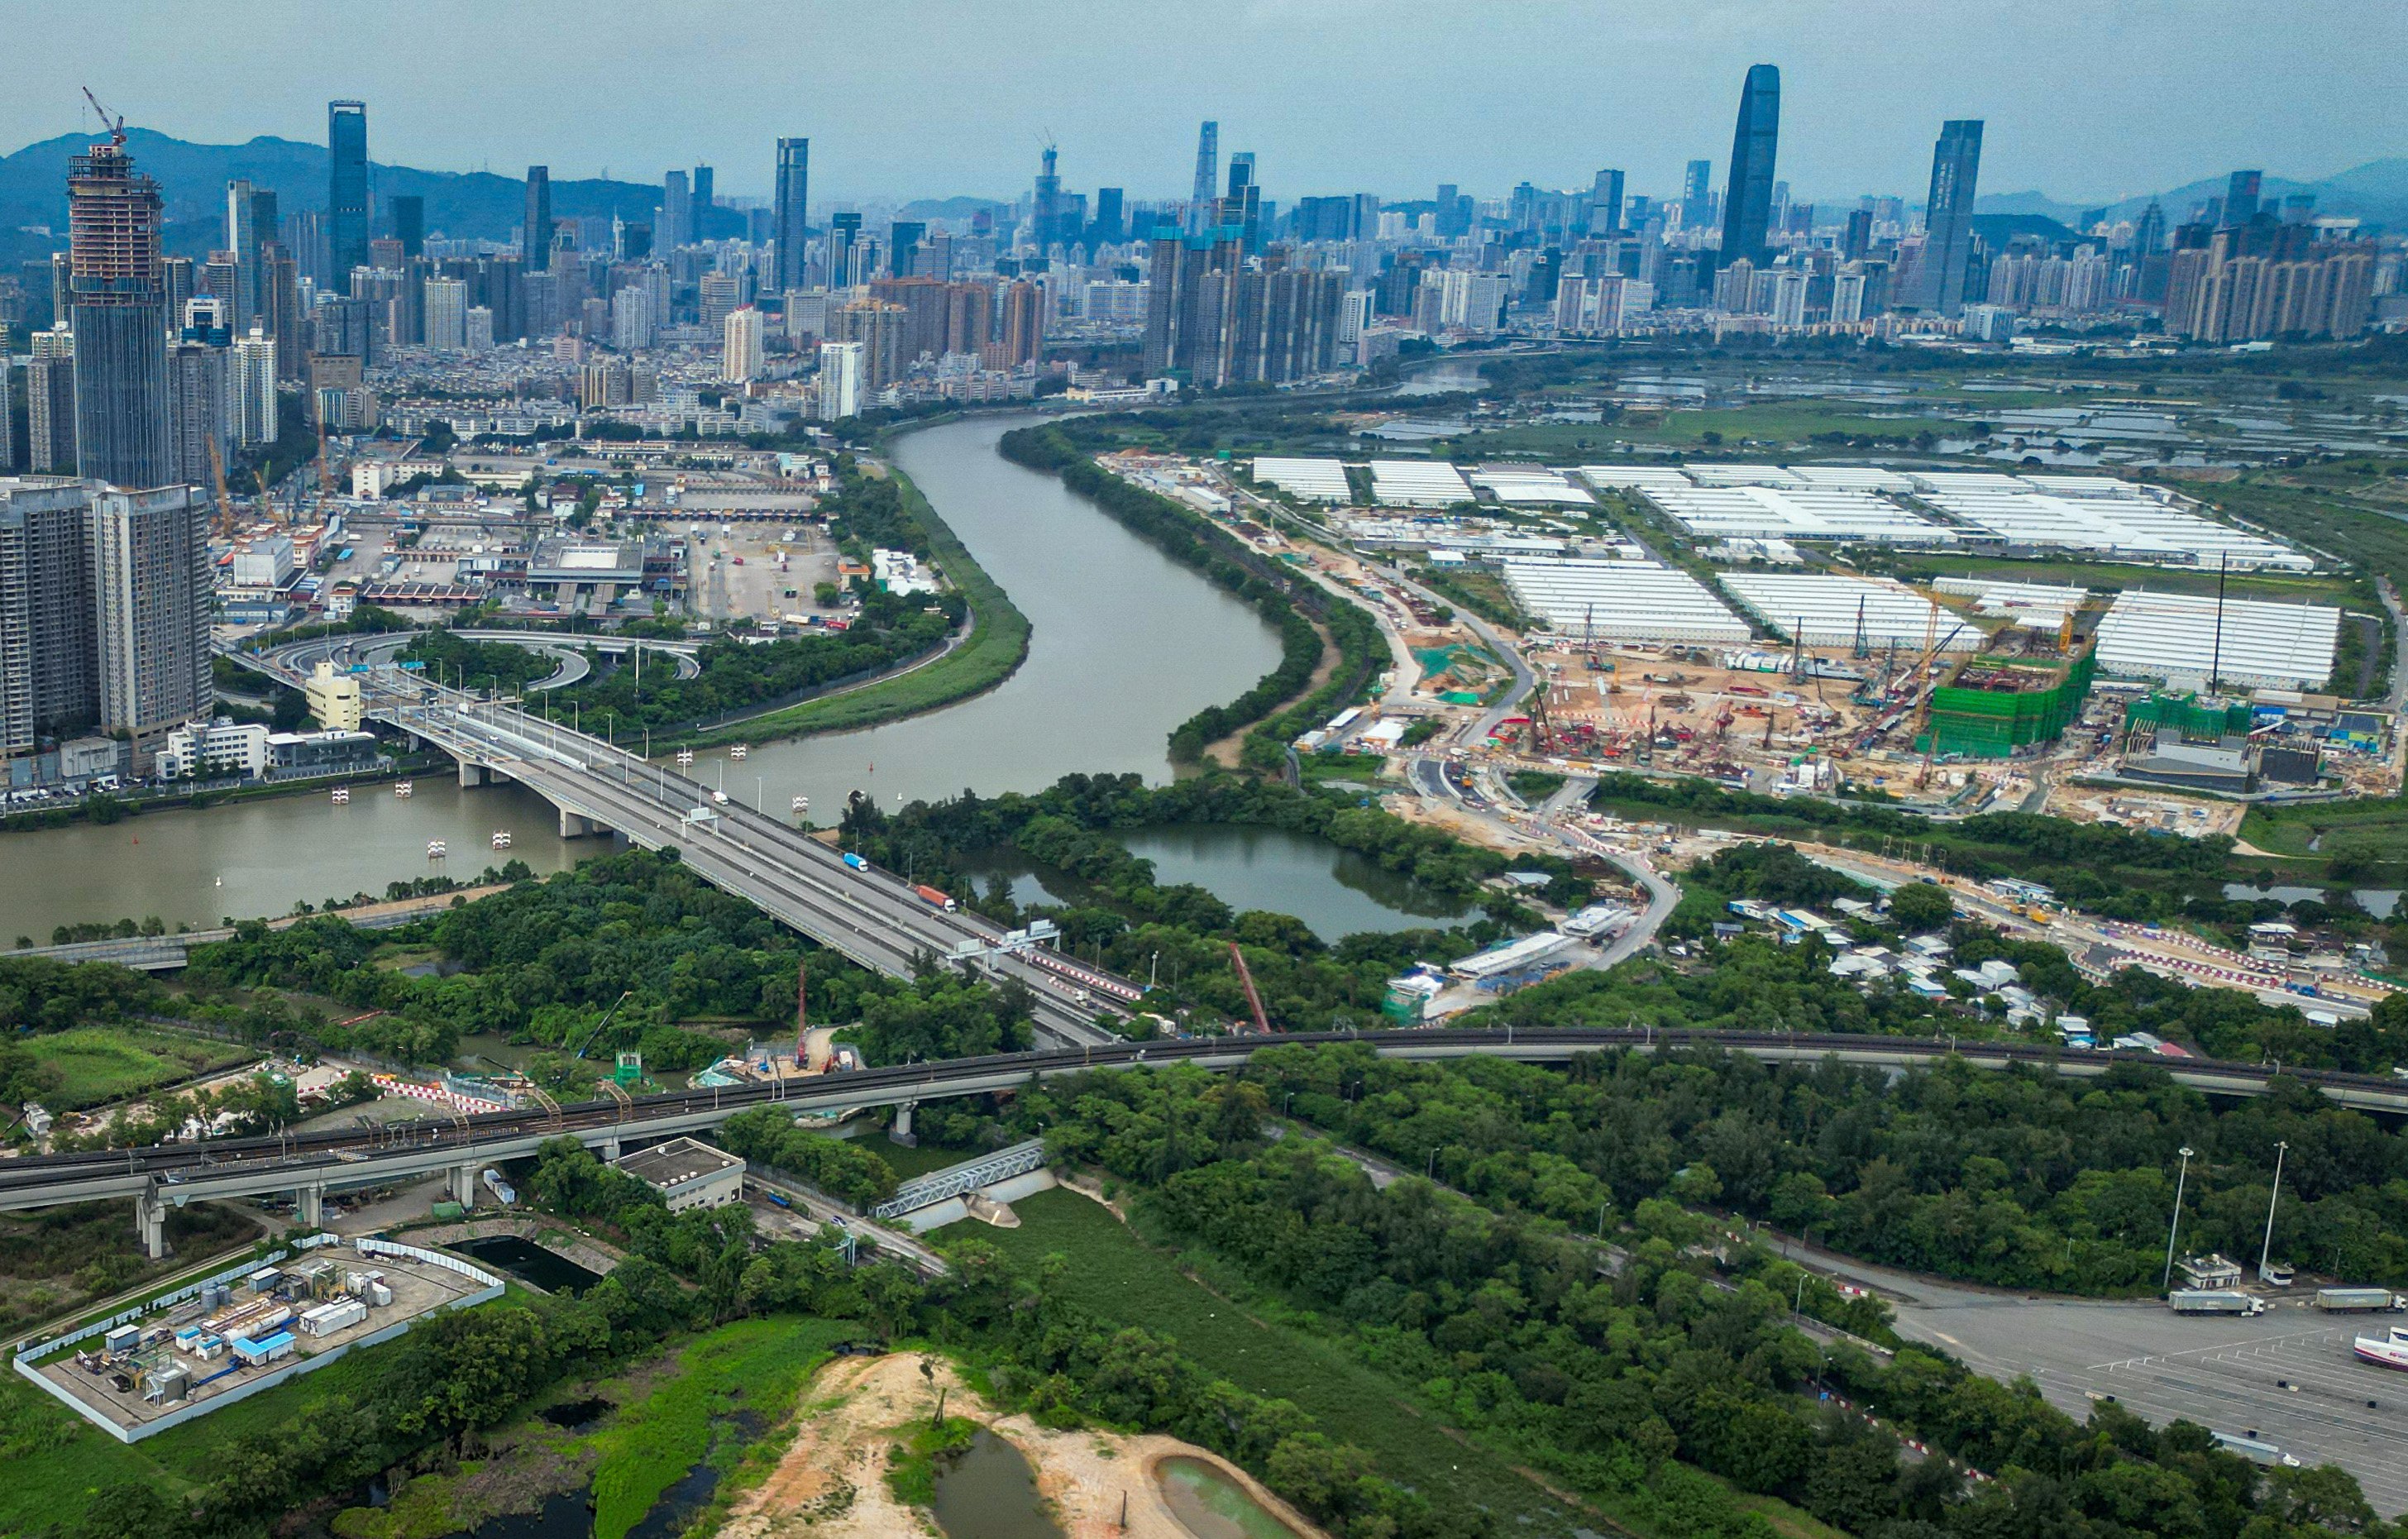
<point x="1126" y="644"/>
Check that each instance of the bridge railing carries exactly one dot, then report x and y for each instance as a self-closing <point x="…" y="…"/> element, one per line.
<point x="927" y="1190"/>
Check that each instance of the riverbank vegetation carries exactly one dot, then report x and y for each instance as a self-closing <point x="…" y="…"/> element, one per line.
<point x="1662" y="1380"/>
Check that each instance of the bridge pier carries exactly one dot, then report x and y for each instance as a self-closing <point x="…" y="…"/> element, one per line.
<point x="471" y="774"/>
<point x="901" y="1132"/>
<point x="609" y="1148"/>
<point x="463" y="1185"/>
<point x="577" y="825"/>
<point x="309" y="1206"/>
<point x="151" y="1224"/>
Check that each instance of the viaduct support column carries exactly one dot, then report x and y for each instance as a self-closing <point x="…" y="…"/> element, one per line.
<point x="150" y="1223"/>
<point x="309" y="1206"/>
<point x="901" y="1132"/>
<point x="463" y="1185"/>
<point x="610" y="1149"/>
<point x="471" y="774"/>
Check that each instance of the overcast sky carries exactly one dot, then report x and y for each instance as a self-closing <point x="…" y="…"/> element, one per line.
<point x="2085" y="99"/>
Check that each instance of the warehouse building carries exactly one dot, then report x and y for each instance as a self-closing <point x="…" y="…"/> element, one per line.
<point x="2182" y="638"/>
<point x="688" y="1174"/>
<point x="1620" y="601"/>
<point x="1831" y="611"/>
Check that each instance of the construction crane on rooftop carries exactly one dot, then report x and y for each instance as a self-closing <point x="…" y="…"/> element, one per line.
<point x="116" y="124"/>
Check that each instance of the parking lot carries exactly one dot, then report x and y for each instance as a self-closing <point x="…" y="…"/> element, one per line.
<point x="2285" y="1377"/>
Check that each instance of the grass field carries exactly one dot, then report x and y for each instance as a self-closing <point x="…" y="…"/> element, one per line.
<point x="2360" y="839"/>
<point x="2106" y="576"/>
<point x="102" y="1063"/>
<point x="1124" y="1280"/>
<point x="751" y="1366"/>
<point x="909" y="1162"/>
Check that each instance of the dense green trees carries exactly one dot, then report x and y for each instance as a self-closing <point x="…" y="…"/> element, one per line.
<point x="1621" y="1374"/>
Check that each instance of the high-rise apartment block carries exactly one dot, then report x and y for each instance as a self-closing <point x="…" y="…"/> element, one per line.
<point x="50" y="403"/>
<point x="152" y="604"/>
<point x="841" y="381"/>
<point x="741" y="355"/>
<point x="674" y="228"/>
<point x="48" y="682"/>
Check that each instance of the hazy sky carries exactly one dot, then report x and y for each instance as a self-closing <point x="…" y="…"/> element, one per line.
<point x="2085" y="99"/>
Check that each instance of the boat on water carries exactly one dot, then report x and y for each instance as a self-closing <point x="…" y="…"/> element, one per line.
<point x="2389" y="1351"/>
<point x="342" y="795"/>
<point x="501" y="839"/>
<point x="737" y="752"/>
<point x="434" y="849"/>
<point x="401" y="787"/>
<point x="802" y="805"/>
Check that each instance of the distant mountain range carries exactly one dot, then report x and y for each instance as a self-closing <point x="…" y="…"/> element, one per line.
<point x="2377" y="191"/>
<point x="470" y="205"/>
<point x="192" y="180"/>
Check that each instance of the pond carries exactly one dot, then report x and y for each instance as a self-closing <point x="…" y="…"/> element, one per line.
<point x="530" y="1263"/>
<point x="1210" y="1505"/>
<point x="2378" y="902"/>
<point x="988" y="1491"/>
<point x="1337" y="892"/>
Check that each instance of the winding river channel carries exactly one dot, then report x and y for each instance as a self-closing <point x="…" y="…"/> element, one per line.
<point x="1125" y="646"/>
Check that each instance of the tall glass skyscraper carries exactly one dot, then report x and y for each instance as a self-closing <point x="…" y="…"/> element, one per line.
<point x="535" y="242"/>
<point x="347" y="190"/>
<point x="1747" y="198"/>
<point x="118" y="308"/>
<point x="788" y="227"/>
<point x="1948" y="216"/>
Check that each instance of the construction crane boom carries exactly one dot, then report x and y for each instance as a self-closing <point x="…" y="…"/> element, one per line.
<point x="1254" y="1000"/>
<point x="116" y="126"/>
<point x="225" y="503"/>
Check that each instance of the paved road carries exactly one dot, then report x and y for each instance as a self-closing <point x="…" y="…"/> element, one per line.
<point x="2286" y="1376"/>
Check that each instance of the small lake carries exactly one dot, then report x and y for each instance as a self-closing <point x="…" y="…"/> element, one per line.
<point x="1337" y="892"/>
<point x="529" y="1263"/>
<point x="988" y="1491"/>
<point x="1210" y="1505"/>
<point x="2378" y="902"/>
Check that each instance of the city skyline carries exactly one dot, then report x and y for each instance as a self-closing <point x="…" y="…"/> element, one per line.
<point x="1863" y="97"/>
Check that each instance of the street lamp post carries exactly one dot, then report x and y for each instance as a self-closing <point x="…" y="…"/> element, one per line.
<point x="2176" y="1227"/>
<point x="2266" y="1246"/>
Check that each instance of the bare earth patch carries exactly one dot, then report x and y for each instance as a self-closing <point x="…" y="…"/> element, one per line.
<point x="832" y="1482"/>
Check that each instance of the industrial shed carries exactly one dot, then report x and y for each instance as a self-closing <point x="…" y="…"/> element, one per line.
<point x="2176" y="637"/>
<point x="1822" y="610"/>
<point x="1307" y="480"/>
<point x="1621" y="601"/>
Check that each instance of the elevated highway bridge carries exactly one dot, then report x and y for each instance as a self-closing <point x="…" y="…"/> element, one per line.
<point x="869" y="915"/>
<point x="312" y="1163"/>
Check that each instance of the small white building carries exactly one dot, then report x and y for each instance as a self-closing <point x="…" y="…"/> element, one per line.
<point x="688" y="1173"/>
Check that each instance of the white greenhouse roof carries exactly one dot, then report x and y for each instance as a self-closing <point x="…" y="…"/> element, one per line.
<point x="1312" y="479"/>
<point x="2123" y="525"/>
<point x="1621" y="601"/>
<point x="2173" y="636"/>
<point x="1770" y="512"/>
<point x="1529" y="483"/>
<point x="1417" y="483"/>
<point x="1821" y="610"/>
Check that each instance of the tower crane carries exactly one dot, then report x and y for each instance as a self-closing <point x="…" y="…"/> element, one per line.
<point x="116" y="126"/>
<point x="225" y="503"/>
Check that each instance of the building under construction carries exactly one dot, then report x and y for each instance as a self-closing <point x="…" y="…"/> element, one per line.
<point x="1991" y="706"/>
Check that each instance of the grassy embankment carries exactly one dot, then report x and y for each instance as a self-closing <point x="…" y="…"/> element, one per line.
<point x="1126" y="1280"/>
<point x="996" y="647"/>
<point x="103" y="1063"/>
